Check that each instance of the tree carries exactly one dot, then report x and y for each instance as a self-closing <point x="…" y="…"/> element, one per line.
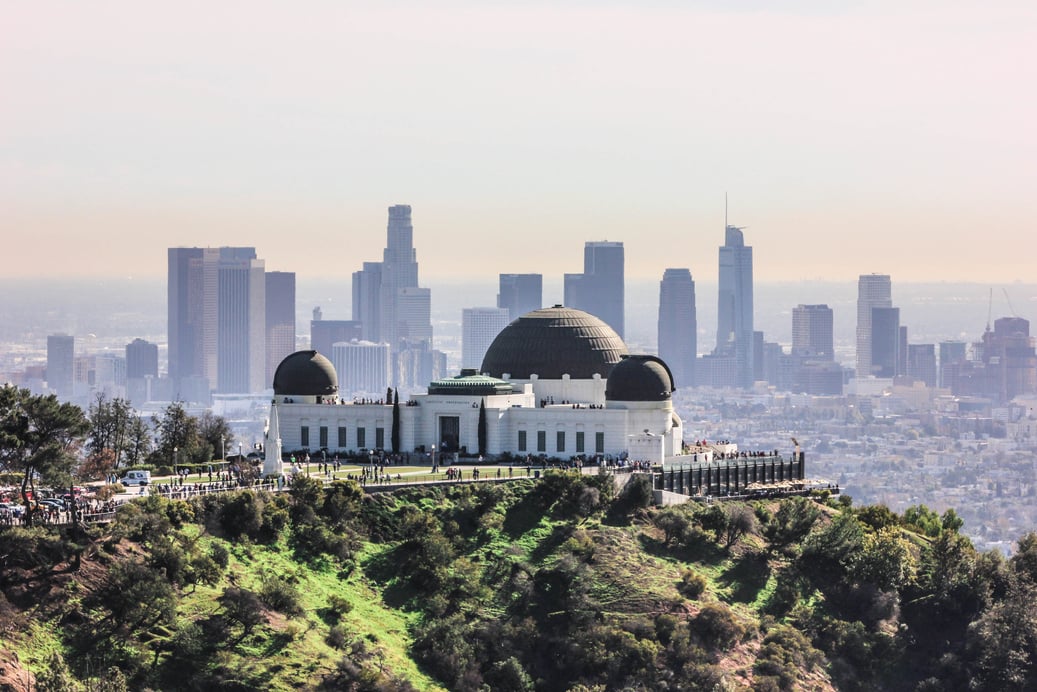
<point x="110" y="424"/>
<point x="214" y="431"/>
<point x="791" y="523"/>
<point x="394" y="434"/>
<point x="740" y="521"/>
<point x="39" y="438"/>
<point x="177" y="434"/>
<point x="482" y="428"/>
<point x="138" y="445"/>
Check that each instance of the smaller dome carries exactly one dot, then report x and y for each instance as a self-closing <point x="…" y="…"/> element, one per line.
<point x="305" y="373"/>
<point x="639" y="378"/>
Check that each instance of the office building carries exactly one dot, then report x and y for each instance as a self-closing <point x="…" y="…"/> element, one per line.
<point x="216" y="321"/>
<point x="363" y="368"/>
<point x="520" y="293"/>
<point x="141" y="359"/>
<point x="952" y="357"/>
<point x="241" y="322"/>
<point x="325" y="333"/>
<point x="812" y="332"/>
<point x="921" y="363"/>
<point x="599" y="290"/>
<point x="873" y="291"/>
<point x="280" y="321"/>
<point x="389" y="304"/>
<point x="479" y="327"/>
<point x="61" y="370"/>
<point x="735" y="307"/>
<point x="884" y="345"/>
<point x="677" y="327"/>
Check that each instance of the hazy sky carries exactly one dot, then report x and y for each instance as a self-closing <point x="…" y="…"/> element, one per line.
<point x="894" y="137"/>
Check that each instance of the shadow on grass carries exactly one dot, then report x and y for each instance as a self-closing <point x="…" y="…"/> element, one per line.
<point x="523" y="516"/>
<point x="701" y="550"/>
<point x="384" y="569"/>
<point x="560" y="534"/>
<point x="746" y="577"/>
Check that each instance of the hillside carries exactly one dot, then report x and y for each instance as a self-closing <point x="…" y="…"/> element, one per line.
<point x="547" y="585"/>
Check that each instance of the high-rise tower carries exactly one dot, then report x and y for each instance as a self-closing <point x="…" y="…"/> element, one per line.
<point x="735" y="305"/>
<point x="280" y="320"/>
<point x="599" y="290"/>
<point x="479" y="327"/>
<point x="217" y="321"/>
<point x="61" y="357"/>
<point x="389" y="304"/>
<point x="520" y="293"/>
<point x="678" y="342"/>
<point x="812" y="332"/>
<point x="873" y="291"/>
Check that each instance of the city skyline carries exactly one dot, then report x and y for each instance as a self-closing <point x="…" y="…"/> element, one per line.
<point x="851" y="140"/>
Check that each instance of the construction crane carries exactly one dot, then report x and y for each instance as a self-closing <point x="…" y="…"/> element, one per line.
<point x="1009" y="300"/>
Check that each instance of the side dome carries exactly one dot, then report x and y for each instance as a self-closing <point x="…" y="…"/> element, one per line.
<point x="640" y="378"/>
<point x="305" y="373"/>
<point x="552" y="342"/>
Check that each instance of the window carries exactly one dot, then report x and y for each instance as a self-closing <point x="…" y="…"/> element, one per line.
<point x="541" y="440"/>
<point x="560" y="441"/>
<point x="579" y="442"/>
<point x="304" y="436"/>
<point x="379" y="438"/>
<point x="323" y="437"/>
<point x="599" y="443"/>
<point x="361" y="437"/>
<point x="522" y="440"/>
<point x="342" y="437"/>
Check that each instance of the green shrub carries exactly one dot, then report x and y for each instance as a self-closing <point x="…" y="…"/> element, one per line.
<point x="692" y="584"/>
<point x="717" y="626"/>
<point x="281" y="595"/>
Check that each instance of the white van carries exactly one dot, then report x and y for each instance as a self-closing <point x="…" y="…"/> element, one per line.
<point x="136" y="478"/>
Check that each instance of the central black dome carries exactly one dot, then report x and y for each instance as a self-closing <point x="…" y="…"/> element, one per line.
<point x="552" y="342"/>
<point x="305" y="373"/>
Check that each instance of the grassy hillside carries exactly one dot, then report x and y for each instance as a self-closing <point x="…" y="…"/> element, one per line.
<point x="549" y="585"/>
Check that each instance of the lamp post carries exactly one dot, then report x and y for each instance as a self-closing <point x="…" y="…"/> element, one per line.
<point x="435" y="468"/>
<point x="223" y="449"/>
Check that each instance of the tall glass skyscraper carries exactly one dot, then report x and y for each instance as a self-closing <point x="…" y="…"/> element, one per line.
<point x="812" y="332"/>
<point x="873" y="291"/>
<point x="678" y="342"/>
<point x="599" y="290"/>
<point x="520" y="293"/>
<point x="217" y="321"/>
<point x="735" y="305"/>
<point x="391" y="307"/>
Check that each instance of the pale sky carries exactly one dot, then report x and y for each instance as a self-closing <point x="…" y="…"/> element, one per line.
<point x="893" y="137"/>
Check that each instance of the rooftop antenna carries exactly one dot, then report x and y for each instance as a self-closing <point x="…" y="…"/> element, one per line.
<point x="990" y="306"/>
<point x="725" y="210"/>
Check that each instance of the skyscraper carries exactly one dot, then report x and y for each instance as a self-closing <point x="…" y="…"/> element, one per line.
<point x="735" y="305"/>
<point x="141" y="359"/>
<point x="921" y="363"/>
<point x="479" y="327"/>
<point x="599" y="290"/>
<point x="885" y="342"/>
<point x="61" y="356"/>
<point x="677" y="328"/>
<point x="390" y="305"/>
<point x="520" y="293"/>
<point x="280" y="320"/>
<point x="362" y="367"/>
<point x="873" y="291"/>
<point x="217" y="321"/>
<point x="812" y="333"/>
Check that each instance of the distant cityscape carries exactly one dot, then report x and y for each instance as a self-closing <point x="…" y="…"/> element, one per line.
<point x="947" y="422"/>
